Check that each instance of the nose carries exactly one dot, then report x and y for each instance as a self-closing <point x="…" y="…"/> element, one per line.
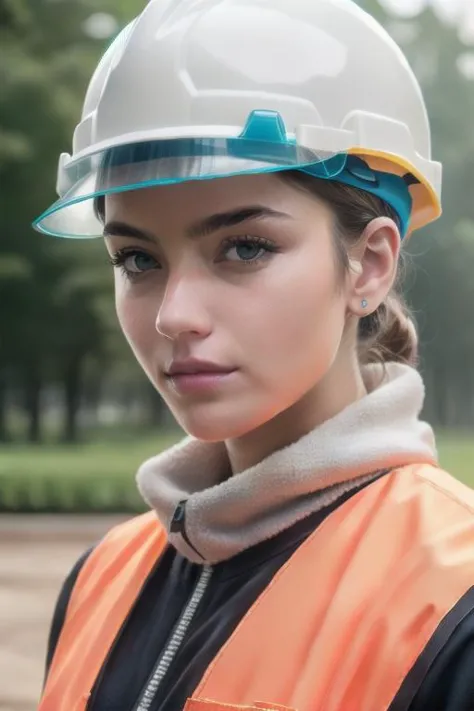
<point x="183" y="310"/>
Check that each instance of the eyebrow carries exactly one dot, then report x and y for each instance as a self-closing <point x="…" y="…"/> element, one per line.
<point x="209" y="224"/>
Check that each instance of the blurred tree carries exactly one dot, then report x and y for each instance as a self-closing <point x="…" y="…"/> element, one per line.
<point x="54" y="321"/>
<point x="443" y="287"/>
<point x="441" y="284"/>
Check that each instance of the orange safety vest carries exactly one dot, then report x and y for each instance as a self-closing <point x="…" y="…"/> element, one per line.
<point x="338" y="628"/>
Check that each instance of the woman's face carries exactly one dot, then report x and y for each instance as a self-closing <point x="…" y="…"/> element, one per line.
<point x="239" y="273"/>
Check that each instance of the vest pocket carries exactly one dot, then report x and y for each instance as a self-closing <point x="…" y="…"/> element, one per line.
<point x="209" y="705"/>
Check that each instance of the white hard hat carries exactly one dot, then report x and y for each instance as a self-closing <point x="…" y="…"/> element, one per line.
<point x="210" y="88"/>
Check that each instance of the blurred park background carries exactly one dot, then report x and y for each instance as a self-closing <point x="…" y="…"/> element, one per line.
<point x="77" y="416"/>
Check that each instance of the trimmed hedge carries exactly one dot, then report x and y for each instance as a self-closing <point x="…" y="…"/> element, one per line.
<point x="50" y="495"/>
<point x="99" y="477"/>
<point x="93" y="477"/>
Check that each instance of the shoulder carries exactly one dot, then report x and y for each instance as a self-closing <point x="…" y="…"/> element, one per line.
<point x="118" y="543"/>
<point x="140" y="534"/>
<point x="442" y="678"/>
<point x="62" y="603"/>
<point x="146" y="523"/>
<point x="441" y="513"/>
<point x="446" y="485"/>
<point x="435" y="512"/>
<point x="431" y="490"/>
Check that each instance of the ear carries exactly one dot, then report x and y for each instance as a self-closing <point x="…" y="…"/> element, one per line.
<point x="373" y="266"/>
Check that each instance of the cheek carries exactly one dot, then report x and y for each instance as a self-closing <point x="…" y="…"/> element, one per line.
<point x="137" y="317"/>
<point x="299" y="337"/>
<point x="302" y="313"/>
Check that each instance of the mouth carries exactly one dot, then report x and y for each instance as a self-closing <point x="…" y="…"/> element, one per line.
<point x="196" y="367"/>
<point x="197" y="376"/>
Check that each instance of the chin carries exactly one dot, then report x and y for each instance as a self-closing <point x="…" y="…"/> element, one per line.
<point x="217" y="422"/>
<point x="212" y="430"/>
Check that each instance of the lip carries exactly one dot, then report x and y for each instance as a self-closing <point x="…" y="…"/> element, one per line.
<point x="194" y="376"/>
<point x="194" y="366"/>
<point x="198" y="383"/>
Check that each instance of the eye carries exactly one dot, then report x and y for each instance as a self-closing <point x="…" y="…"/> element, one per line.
<point x="247" y="249"/>
<point x="134" y="262"/>
<point x="139" y="262"/>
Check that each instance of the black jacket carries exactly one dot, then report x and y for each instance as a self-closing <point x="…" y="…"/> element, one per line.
<point x="441" y="680"/>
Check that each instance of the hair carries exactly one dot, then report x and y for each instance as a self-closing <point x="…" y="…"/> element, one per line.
<point x="99" y="208"/>
<point x="389" y="333"/>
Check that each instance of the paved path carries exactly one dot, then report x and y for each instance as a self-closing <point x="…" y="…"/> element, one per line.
<point x="36" y="553"/>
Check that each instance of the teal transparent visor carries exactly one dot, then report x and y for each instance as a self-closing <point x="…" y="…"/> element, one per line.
<point x="262" y="148"/>
<point x="164" y="163"/>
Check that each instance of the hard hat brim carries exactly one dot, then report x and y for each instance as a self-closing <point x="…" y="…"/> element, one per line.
<point x="151" y="164"/>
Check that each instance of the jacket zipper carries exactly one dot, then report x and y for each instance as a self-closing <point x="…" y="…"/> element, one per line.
<point x="175" y="642"/>
<point x="159" y="672"/>
<point x="178" y="525"/>
<point x="93" y="694"/>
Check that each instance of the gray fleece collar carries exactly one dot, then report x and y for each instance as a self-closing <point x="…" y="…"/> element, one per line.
<point x="227" y="514"/>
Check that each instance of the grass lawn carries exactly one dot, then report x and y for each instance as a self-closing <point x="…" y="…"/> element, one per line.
<point x="456" y="453"/>
<point x="115" y="459"/>
<point x="108" y="466"/>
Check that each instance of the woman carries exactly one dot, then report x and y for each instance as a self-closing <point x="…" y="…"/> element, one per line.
<point x="254" y="172"/>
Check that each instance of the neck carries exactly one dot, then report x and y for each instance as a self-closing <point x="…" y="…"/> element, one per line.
<point x="227" y="514"/>
<point x="340" y="387"/>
